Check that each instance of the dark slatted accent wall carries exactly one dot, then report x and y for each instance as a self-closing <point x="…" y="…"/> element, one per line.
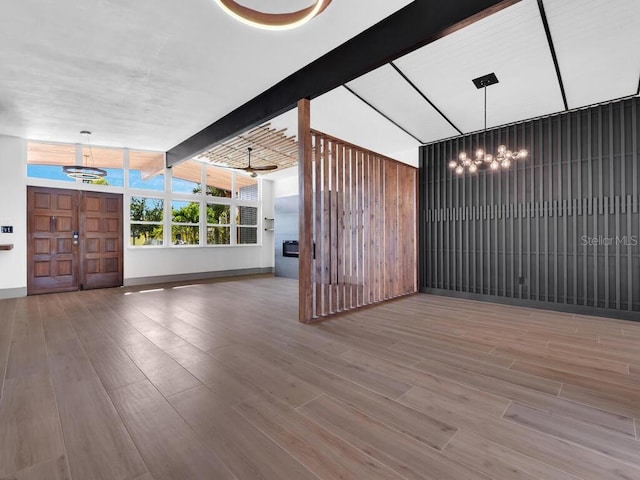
<point x="364" y="227"/>
<point x="561" y="227"/>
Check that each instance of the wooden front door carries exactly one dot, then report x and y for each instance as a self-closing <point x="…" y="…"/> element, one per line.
<point x="101" y="240"/>
<point x="74" y="240"/>
<point x="52" y="258"/>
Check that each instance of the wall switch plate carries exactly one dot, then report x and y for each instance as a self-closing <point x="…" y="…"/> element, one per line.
<point x="7" y="229"/>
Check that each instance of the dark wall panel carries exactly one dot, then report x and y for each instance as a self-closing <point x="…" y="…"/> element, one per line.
<point x="561" y="227"/>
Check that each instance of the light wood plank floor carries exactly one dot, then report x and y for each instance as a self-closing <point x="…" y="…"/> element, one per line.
<point x="218" y="381"/>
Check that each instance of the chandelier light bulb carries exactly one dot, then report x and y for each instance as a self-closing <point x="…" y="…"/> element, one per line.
<point x="479" y="159"/>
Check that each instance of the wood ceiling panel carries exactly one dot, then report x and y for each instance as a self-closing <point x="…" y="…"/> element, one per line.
<point x="270" y="147"/>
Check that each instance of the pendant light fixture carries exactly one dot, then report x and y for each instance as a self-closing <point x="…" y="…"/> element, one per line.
<point x="272" y="21"/>
<point x="483" y="160"/>
<point x="85" y="172"/>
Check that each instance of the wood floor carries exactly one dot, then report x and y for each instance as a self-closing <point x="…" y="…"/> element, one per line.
<point x="219" y="381"/>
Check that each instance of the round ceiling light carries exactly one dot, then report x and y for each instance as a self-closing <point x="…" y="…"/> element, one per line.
<point x="272" y="21"/>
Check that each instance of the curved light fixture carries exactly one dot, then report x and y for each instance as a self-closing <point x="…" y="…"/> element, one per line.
<point x="84" y="172"/>
<point x="272" y="21"/>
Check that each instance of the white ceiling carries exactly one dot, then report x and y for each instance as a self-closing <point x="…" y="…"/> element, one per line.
<point x="596" y="43"/>
<point x="597" y="46"/>
<point x="149" y="73"/>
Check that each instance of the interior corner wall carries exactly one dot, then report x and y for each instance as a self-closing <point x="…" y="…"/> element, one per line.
<point x="13" y="212"/>
<point x="559" y="230"/>
<point x="144" y="266"/>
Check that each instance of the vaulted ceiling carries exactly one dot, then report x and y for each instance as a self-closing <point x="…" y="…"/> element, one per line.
<point x="150" y="73"/>
<point x="428" y="94"/>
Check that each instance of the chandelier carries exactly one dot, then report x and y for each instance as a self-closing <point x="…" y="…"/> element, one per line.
<point x="272" y="21"/>
<point x="482" y="159"/>
<point x="85" y="172"/>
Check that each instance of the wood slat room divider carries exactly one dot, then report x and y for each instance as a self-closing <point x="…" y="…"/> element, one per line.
<point x="361" y="224"/>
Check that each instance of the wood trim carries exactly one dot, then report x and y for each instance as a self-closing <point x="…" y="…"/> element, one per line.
<point x="305" y="189"/>
<point x="8" y="246"/>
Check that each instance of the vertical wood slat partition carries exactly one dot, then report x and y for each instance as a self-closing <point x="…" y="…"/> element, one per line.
<point x="362" y="225"/>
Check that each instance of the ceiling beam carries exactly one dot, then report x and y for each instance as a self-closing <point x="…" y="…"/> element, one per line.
<point x="552" y="49"/>
<point x="418" y="24"/>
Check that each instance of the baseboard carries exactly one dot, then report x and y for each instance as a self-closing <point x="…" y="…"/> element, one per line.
<point x="187" y="277"/>
<point x="12" y="292"/>
<point x="557" y="307"/>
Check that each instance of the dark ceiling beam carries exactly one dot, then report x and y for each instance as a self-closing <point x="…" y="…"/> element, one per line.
<point x="419" y="23"/>
<point x="552" y="48"/>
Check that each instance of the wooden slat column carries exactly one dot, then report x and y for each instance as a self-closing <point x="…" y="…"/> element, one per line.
<point x="362" y="220"/>
<point x="305" y="189"/>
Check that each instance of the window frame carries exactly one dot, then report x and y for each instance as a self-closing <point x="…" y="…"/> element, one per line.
<point x="168" y="197"/>
<point x="160" y="222"/>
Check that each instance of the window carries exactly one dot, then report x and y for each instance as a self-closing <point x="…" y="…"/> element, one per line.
<point x="219" y="182"/>
<point x="187" y="177"/>
<point x="209" y="205"/>
<point x="185" y="228"/>
<point x="247" y="221"/>
<point x="109" y="159"/>
<point x="218" y="224"/>
<point x="46" y="160"/>
<point x="145" y="170"/>
<point x="246" y="188"/>
<point x="146" y="216"/>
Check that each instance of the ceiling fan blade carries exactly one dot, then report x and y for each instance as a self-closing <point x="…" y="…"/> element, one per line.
<point x="261" y="168"/>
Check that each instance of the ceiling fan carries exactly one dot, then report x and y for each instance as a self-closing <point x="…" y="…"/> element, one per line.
<point x="254" y="170"/>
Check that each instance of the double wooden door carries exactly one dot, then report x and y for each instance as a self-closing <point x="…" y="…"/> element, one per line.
<point x="74" y="240"/>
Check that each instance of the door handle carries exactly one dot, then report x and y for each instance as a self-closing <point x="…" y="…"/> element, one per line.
<point x="75" y="238"/>
<point x="52" y="225"/>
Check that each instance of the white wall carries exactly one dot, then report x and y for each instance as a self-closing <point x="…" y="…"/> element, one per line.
<point x="142" y="263"/>
<point x="13" y="208"/>
<point x="286" y="184"/>
<point x="139" y="263"/>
